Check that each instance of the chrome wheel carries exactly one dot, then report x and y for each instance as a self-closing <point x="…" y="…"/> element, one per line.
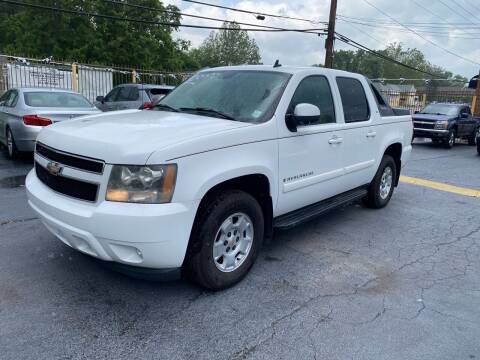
<point x="233" y="242"/>
<point x="386" y="182"/>
<point x="451" y="139"/>
<point x="10" y="143"/>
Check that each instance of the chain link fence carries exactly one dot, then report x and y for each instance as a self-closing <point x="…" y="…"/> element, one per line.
<point x="89" y="80"/>
<point x="415" y="99"/>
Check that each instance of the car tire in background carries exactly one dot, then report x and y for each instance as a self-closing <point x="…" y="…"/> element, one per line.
<point x="472" y="140"/>
<point x="381" y="188"/>
<point x="12" y="150"/>
<point x="225" y="240"/>
<point x="449" y="142"/>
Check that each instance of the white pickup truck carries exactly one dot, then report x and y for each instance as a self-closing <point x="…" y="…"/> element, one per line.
<point x="196" y="183"/>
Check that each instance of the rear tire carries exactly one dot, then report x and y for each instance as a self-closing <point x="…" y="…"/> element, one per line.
<point x="12" y="150"/>
<point x="225" y="240"/>
<point x="381" y="188"/>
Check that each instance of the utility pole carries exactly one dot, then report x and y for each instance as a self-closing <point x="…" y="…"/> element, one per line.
<point x="476" y="105"/>
<point x="330" y="35"/>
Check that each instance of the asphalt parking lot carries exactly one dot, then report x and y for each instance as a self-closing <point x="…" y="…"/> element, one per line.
<point x="397" y="283"/>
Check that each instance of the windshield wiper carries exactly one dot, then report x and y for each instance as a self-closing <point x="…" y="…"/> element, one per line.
<point x="166" y="107"/>
<point x="208" y="111"/>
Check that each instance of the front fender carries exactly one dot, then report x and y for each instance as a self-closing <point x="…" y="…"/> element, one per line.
<point x="199" y="173"/>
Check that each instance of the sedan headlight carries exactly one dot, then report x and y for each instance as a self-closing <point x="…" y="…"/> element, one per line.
<point x="441" y="124"/>
<point x="151" y="184"/>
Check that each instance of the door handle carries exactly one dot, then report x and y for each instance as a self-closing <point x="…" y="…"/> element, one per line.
<point x="371" y="134"/>
<point x="335" y="140"/>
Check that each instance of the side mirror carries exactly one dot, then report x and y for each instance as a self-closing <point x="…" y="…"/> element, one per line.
<point x="303" y="114"/>
<point x="464" y="115"/>
<point x="416" y="112"/>
<point x="100" y="99"/>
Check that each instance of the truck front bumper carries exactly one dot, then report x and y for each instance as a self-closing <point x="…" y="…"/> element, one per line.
<point x="430" y="133"/>
<point x="144" y="235"/>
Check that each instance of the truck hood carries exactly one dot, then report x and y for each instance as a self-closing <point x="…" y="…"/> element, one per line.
<point x="431" y="117"/>
<point x="130" y="137"/>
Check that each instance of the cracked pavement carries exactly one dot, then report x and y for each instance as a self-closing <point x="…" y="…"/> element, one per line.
<point x="398" y="283"/>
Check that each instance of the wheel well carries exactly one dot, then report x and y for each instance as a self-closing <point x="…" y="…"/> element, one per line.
<point x="257" y="185"/>
<point x="395" y="151"/>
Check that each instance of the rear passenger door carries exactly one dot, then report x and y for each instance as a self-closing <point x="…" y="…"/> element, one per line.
<point x="466" y="124"/>
<point x="360" y="133"/>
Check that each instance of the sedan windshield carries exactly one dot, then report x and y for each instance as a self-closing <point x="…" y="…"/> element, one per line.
<point x="56" y="100"/>
<point x="240" y="95"/>
<point x="440" y="109"/>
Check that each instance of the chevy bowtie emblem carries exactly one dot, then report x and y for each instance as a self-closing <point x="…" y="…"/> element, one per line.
<point x="54" y="168"/>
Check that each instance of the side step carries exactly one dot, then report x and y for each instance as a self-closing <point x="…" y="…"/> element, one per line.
<point x="309" y="212"/>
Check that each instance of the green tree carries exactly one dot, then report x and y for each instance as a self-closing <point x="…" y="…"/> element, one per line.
<point x="373" y="67"/>
<point x="227" y="47"/>
<point x="43" y="33"/>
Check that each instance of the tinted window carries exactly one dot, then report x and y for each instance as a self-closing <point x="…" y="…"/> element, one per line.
<point x="56" y="99"/>
<point x="111" y="96"/>
<point x="354" y="100"/>
<point x="315" y="90"/>
<point x="4" y="97"/>
<point x="127" y="93"/>
<point x="383" y="106"/>
<point x="12" y="101"/>
<point x="244" y="95"/>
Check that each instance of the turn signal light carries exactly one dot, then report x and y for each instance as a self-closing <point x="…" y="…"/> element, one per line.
<point x="36" y="120"/>
<point x="146" y="105"/>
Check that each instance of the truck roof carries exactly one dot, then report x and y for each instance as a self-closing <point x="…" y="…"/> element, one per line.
<point x="284" y="69"/>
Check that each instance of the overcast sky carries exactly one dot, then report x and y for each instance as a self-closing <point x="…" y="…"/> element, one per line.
<point x="305" y="49"/>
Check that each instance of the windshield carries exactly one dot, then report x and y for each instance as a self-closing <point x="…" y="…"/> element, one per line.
<point x="240" y="95"/>
<point x="440" y="109"/>
<point x="56" y="100"/>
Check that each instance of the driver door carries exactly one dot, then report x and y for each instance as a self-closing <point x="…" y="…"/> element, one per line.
<point x="310" y="160"/>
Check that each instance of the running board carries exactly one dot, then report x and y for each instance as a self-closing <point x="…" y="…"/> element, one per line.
<point x="310" y="212"/>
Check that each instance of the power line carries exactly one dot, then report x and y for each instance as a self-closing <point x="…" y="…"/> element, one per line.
<point x="255" y="12"/>
<point x="465" y="9"/>
<point x="455" y="10"/>
<point x="142" y="21"/>
<point x="143" y="7"/>
<point x="359" y="46"/>
<point x="429" y="24"/>
<point x="421" y="36"/>
<point x="433" y="33"/>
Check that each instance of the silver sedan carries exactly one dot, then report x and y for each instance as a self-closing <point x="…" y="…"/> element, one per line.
<point x="24" y="112"/>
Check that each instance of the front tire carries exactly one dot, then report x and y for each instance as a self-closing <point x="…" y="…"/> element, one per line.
<point x="381" y="188"/>
<point x="472" y="140"/>
<point x="225" y="241"/>
<point x="450" y="140"/>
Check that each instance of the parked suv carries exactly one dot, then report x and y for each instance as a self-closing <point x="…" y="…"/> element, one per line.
<point x="199" y="181"/>
<point x="132" y="96"/>
<point x="444" y="122"/>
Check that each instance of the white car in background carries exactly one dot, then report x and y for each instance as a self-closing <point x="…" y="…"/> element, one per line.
<point x="198" y="182"/>
<point x="25" y="111"/>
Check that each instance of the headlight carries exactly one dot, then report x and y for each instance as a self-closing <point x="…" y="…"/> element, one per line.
<point x="152" y="184"/>
<point x="441" y="124"/>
